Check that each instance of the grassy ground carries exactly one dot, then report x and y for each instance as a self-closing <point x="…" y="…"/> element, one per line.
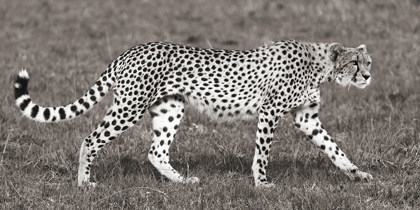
<point x="65" y="46"/>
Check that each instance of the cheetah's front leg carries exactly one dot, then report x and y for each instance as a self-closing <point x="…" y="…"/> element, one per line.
<point x="306" y="119"/>
<point x="266" y="126"/>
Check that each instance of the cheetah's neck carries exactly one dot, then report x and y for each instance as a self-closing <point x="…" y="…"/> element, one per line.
<point x="322" y="68"/>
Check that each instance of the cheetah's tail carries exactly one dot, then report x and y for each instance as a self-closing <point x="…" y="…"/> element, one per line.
<point x="52" y="114"/>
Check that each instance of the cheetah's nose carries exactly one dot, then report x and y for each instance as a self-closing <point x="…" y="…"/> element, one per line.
<point x="366" y="76"/>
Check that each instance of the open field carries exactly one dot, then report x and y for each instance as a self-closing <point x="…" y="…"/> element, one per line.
<point x="65" y="45"/>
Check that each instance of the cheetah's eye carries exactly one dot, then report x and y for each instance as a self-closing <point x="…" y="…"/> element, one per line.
<point x="354" y="63"/>
<point x="368" y="63"/>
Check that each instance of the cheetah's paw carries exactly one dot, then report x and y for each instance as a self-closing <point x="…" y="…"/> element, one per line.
<point x="191" y="180"/>
<point x="357" y="175"/>
<point x="89" y="185"/>
<point x="360" y="175"/>
<point x="265" y="185"/>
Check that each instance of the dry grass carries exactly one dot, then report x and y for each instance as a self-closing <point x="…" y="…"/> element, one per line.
<point x="65" y="46"/>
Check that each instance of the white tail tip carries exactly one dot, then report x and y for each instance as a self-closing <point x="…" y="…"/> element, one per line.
<point x="23" y="74"/>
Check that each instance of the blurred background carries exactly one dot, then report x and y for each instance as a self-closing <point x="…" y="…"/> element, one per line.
<point x="65" y="46"/>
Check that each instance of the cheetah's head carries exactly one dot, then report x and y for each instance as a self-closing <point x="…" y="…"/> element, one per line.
<point x="352" y="65"/>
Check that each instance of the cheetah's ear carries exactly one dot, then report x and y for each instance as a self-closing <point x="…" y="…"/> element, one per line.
<point x="362" y="48"/>
<point x="335" y="49"/>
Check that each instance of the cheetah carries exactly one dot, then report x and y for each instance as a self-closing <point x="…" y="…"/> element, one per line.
<point x="268" y="82"/>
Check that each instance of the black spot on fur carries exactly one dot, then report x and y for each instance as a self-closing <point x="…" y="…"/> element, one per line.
<point x="153" y="114"/>
<point x="23" y="87"/>
<point x="265" y="130"/>
<point x="62" y="113"/>
<point x="157" y="133"/>
<point x="47" y="114"/>
<point x="107" y="133"/>
<point x="24" y="104"/>
<point x="34" y="111"/>
<point x="313" y="105"/>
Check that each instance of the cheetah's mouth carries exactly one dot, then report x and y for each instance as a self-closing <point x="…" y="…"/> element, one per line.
<point x="359" y="83"/>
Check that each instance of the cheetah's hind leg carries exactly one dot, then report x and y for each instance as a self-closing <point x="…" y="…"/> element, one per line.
<point x="167" y="113"/>
<point x="111" y="127"/>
